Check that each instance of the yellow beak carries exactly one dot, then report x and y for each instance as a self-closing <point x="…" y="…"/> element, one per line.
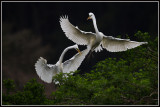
<point x="79" y="51"/>
<point x="88" y="18"/>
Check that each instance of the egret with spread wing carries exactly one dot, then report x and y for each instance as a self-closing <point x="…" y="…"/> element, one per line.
<point x="95" y="40"/>
<point x="47" y="71"/>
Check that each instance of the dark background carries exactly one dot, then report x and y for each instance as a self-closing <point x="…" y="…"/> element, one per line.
<point x="32" y="29"/>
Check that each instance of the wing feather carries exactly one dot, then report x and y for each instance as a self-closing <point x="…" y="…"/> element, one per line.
<point x="45" y="71"/>
<point x="73" y="63"/>
<point x="116" y="44"/>
<point x="74" y="33"/>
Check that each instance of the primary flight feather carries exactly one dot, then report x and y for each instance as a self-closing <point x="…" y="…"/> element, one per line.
<point x="47" y="71"/>
<point x="95" y="40"/>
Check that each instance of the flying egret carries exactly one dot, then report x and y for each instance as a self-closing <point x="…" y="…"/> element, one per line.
<point x="47" y="71"/>
<point x="94" y="40"/>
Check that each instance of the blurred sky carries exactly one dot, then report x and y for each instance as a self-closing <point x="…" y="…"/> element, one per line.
<point x="42" y="19"/>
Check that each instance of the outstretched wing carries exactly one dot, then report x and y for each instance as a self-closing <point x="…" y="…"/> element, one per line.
<point x="45" y="71"/>
<point x="116" y="45"/>
<point x="74" y="33"/>
<point x="73" y="63"/>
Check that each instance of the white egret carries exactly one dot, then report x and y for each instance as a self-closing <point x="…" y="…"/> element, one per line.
<point x="47" y="71"/>
<point x="94" y="40"/>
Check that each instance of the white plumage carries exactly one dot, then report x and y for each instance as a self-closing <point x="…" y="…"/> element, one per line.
<point x="44" y="70"/>
<point x="116" y="45"/>
<point x="94" y="40"/>
<point x="47" y="71"/>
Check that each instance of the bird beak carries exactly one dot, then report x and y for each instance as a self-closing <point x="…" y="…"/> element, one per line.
<point x="79" y="51"/>
<point x="88" y="18"/>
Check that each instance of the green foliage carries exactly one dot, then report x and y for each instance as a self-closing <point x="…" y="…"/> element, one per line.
<point x="9" y="85"/>
<point x="32" y="94"/>
<point x="130" y="80"/>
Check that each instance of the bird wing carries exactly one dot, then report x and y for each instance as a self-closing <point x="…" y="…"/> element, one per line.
<point x="116" y="44"/>
<point x="74" y="33"/>
<point x="45" y="71"/>
<point x="73" y="63"/>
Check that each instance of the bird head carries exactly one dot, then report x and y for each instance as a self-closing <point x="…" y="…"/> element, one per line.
<point x="91" y="15"/>
<point x="76" y="47"/>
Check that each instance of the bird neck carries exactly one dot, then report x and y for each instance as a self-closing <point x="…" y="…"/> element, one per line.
<point x="62" y="55"/>
<point x="95" y="25"/>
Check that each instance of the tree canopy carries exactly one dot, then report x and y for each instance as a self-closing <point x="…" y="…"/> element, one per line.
<point x="131" y="79"/>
